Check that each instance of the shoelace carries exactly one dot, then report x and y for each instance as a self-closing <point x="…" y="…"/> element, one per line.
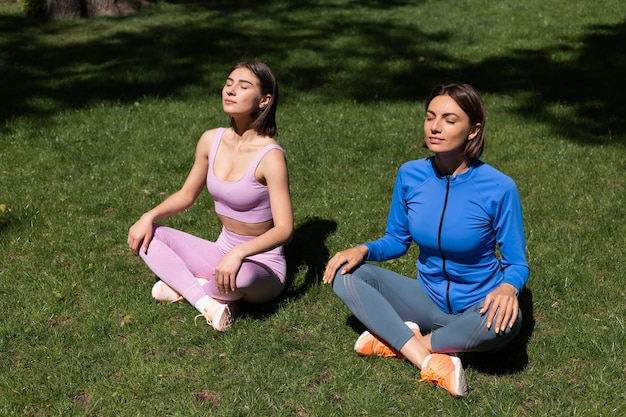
<point x="433" y="377"/>
<point x="195" y="320"/>
<point x="228" y="323"/>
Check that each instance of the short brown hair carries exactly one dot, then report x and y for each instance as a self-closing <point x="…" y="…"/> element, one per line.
<point x="471" y="103"/>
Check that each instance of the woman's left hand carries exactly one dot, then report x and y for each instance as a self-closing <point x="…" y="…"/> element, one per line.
<point x="226" y="273"/>
<point x="503" y="302"/>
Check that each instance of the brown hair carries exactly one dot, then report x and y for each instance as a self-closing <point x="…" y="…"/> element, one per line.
<point x="470" y="102"/>
<point x="265" y="118"/>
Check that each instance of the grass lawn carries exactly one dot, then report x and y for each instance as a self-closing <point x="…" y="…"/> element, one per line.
<point x="98" y="123"/>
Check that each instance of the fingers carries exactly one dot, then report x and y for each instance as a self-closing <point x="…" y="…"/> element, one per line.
<point x="501" y="310"/>
<point x="219" y="282"/>
<point x="348" y="266"/>
<point x="139" y="236"/>
<point x="346" y="260"/>
<point x="504" y="312"/>
<point x="331" y="270"/>
<point x="224" y="282"/>
<point x="133" y="244"/>
<point x="485" y="307"/>
<point x="233" y="283"/>
<point x="514" y="316"/>
<point x="333" y="266"/>
<point x="502" y="306"/>
<point x="492" y="312"/>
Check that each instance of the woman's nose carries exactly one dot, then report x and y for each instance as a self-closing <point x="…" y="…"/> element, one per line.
<point x="434" y="126"/>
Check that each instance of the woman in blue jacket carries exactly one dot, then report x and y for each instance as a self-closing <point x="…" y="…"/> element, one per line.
<point x="459" y="211"/>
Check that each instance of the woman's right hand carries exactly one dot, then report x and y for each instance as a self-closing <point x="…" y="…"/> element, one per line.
<point x="140" y="234"/>
<point x="347" y="260"/>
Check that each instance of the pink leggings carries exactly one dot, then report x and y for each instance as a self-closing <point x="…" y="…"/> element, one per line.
<point x="177" y="258"/>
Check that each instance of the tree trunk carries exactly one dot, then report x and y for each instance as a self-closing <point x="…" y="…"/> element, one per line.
<point x="101" y="7"/>
<point x="112" y="7"/>
<point x="59" y="9"/>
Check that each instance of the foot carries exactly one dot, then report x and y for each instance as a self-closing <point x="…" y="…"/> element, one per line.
<point x="220" y="315"/>
<point x="369" y="345"/>
<point x="164" y="293"/>
<point x="446" y="371"/>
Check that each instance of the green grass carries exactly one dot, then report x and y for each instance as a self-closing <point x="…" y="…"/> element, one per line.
<point x="98" y="122"/>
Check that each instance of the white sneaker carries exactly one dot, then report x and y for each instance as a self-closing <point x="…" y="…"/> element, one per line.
<point x="164" y="293"/>
<point x="220" y="315"/>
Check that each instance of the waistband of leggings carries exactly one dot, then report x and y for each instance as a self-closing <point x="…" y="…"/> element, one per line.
<point x="231" y="239"/>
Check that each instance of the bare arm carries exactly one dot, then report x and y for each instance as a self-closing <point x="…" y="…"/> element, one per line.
<point x="140" y="233"/>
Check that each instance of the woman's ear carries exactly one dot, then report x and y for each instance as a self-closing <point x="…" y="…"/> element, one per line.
<point x="474" y="131"/>
<point x="265" y="101"/>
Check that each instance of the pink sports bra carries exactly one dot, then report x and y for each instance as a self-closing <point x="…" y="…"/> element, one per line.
<point x="244" y="200"/>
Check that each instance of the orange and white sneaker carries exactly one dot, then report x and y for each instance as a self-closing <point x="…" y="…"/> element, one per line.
<point x="164" y="293"/>
<point x="220" y="315"/>
<point x="446" y="371"/>
<point x="369" y="345"/>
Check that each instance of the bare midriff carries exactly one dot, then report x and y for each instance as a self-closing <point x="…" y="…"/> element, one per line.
<point x="245" y="229"/>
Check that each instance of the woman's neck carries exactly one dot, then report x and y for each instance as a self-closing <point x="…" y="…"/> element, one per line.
<point x="243" y="129"/>
<point x="452" y="166"/>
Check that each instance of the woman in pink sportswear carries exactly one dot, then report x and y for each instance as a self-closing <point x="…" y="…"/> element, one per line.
<point x="245" y="171"/>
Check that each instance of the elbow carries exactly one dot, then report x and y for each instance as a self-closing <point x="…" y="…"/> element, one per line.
<point x="289" y="236"/>
<point x="287" y="233"/>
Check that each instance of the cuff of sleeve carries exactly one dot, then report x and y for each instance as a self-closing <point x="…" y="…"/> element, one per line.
<point x="368" y="257"/>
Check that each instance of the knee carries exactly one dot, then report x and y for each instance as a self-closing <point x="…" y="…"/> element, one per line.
<point x="517" y="326"/>
<point x="339" y="282"/>
<point x="159" y="232"/>
<point x="499" y="340"/>
<point x="343" y="281"/>
<point x="247" y="274"/>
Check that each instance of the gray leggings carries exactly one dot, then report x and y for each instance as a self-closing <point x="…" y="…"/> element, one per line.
<point x="383" y="300"/>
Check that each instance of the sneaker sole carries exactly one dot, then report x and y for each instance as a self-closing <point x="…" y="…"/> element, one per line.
<point x="459" y="376"/>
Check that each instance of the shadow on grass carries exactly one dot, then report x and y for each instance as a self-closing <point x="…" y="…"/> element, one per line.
<point x="582" y="99"/>
<point x="514" y="357"/>
<point x="307" y="252"/>
<point x="313" y="47"/>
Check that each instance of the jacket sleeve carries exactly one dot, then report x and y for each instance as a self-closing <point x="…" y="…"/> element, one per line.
<point x="397" y="239"/>
<point x="509" y="229"/>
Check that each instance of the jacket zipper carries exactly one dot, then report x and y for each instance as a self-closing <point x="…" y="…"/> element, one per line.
<point x="443" y="256"/>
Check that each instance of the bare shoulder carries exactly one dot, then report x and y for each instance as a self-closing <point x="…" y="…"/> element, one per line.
<point x="267" y="140"/>
<point x="273" y="164"/>
<point x="275" y="153"/>
<point x="207" y="136"/>
<point x="262" y="142"/>
<point x="274" y="159"/>
<point x="206" y="140"/>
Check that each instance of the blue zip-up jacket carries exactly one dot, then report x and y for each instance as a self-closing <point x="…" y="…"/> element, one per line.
<point x="456" y="221"/>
